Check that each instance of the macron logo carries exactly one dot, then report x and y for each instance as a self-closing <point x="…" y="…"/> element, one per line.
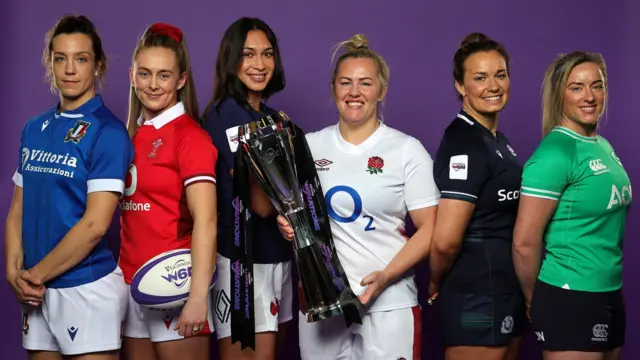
<point x="72" y="332"/>
<point x="44" y="125"/>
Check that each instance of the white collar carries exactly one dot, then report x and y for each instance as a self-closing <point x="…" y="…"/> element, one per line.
<point x="165" y="117"/>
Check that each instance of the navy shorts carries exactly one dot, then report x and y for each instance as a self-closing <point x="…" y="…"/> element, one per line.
<point x="479" y="319"/>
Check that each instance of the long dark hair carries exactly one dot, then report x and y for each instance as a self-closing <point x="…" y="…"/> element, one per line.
<point x="226" y="82"/>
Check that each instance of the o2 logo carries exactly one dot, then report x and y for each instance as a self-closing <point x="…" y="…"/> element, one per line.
<point x="357" y="206"/>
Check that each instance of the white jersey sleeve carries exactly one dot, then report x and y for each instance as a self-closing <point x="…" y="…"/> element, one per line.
<point x="420" y="190"/>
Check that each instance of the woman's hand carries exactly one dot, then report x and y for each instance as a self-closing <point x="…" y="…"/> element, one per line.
<point x="285" y="229"/>
<point x="27" y="293"/>
<point x="192" y="318"/>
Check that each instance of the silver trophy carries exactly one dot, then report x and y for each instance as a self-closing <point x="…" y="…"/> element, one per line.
<point x="279" y="157"/>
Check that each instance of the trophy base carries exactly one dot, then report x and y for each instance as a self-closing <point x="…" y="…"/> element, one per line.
<point x="322" y="313"/>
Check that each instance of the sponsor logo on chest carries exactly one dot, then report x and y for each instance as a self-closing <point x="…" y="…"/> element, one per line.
<point x="35" y="160"/>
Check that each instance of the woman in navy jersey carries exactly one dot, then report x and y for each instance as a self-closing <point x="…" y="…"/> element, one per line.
<point x="248" y="72"/>
<point x="170" y="201"/>
<point x="479" y="306"/>
<point x="73" y="163"/>
<point x="373" y="177"/>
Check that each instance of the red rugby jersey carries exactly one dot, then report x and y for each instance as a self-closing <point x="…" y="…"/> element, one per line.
<point x="171" y="152"/>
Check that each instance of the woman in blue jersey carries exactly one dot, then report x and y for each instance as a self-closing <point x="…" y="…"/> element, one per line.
<point x="575" y="198"/>
<point x="372" y="177"/>
<point x="479" y="306"/>
<point x="248" y="72"/>
<point x="73" y="162"/>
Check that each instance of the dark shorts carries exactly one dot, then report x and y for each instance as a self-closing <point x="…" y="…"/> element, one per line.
<point x="570" y="320"/>
<point x="479" y="319"/>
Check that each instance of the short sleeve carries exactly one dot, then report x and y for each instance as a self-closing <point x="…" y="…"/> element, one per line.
<point x="224" y="138"/>
<point x="17" y="176"/>
<point x="420" y="190"/>
<point x="109" y="159"/>
<point x="461" y="169"/>
<point x="547" y="173"/>
<point x="197" y="157"/>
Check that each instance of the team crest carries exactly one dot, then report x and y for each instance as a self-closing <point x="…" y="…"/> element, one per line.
<point x="156" y="145"/>
<point x="76" y="133"/>
<point x="375" y="165"/>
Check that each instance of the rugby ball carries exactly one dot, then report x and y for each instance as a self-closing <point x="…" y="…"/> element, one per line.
<point x="164" y="281"/>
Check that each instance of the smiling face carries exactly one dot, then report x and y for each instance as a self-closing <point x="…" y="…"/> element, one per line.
<point x="156" y="78"/>
<point x="256" y="68"/>
<point x="357" y="90"/>
<point x="73" y="66"/>
<point x="486" y="84"/>
<point x="584" y="96"/>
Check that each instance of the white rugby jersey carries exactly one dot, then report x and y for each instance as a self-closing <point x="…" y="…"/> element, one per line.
<point x="368" y="189"/>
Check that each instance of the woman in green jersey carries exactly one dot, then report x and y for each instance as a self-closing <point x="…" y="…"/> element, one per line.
<point x="575" y="196"/>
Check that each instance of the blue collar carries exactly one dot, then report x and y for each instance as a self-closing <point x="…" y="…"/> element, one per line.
<point x="87" y="108"/>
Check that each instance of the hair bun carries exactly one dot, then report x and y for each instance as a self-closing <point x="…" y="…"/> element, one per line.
<point x="475" y="37"/>
<point x="359" y="41"/>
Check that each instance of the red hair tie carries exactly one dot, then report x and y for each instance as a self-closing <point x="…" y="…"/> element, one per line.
<point x="168" y="30"/>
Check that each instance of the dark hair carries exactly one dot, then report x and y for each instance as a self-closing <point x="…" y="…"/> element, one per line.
<point x="471" y="44"/>
<point x="226" y="82"/>
<point x="72" y="24"/>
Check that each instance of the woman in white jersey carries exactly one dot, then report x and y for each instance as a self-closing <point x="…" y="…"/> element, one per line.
<point x="372" y="177"/>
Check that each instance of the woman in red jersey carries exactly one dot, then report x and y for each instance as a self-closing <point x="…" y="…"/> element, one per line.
<point x="170" y="202"/>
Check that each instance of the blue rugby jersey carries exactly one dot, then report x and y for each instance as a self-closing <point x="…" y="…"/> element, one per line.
<point x="64" y="156"/>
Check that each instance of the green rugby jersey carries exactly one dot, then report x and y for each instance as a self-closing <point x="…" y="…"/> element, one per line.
<point x="584" y="237"/>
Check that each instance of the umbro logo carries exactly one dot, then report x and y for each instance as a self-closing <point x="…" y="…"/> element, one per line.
<point x="323" y="164"/>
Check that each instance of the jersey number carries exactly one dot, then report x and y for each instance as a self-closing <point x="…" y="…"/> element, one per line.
<point x="357" y="206"/>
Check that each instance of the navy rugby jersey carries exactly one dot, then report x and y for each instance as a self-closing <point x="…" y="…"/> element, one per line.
<point x="64" y="156"/>
<point x="269" y="247"/>
<point x="475" y="166"/>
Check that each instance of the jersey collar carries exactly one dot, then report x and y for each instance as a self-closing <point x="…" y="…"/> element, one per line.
<point x="165" y="117"/>
<point x="464" y="116"/>
<point x="365" y="145"/>
<point x="575" y="135"/>
<point x="83" y="110"/>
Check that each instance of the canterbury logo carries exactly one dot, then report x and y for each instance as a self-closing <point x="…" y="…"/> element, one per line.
<point x="597" y="165"/>
<point x="600" y="331"/>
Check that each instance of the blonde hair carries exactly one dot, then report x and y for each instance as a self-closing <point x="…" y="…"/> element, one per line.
<point x="170" y="37"/>
<point x="357" y="47"/>
<point x="555" y="82"/>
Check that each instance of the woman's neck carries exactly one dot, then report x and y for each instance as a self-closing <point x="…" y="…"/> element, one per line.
<point x="253" y="98"/>
<point x="356" y="134"/>
<point x="489" y="121"/>
<point x="584" y="130"/>
<point x="150" y="114"/>
<point x="70" y="104"/>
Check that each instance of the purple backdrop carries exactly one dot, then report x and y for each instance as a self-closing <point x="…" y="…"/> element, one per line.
<point x="418" y="39"/>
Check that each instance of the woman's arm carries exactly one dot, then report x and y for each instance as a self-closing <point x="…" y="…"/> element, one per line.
<point x="417" y="247"/>
<point x="533" y="216"/>
<point x="260" y="203"/>
<point x="13" y="236"/>
<point x="453" y="219"/>
<point x="202" y="201"/>
<point x="78" y="243"/>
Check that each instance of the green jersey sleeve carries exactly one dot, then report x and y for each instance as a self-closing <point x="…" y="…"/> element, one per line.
<point x="548" y="172"/>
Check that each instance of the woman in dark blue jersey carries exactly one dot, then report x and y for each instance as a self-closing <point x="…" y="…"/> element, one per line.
<point x="480" y="309"/>
<point x="73" y="162"/>
<point x="248" y="72"/>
